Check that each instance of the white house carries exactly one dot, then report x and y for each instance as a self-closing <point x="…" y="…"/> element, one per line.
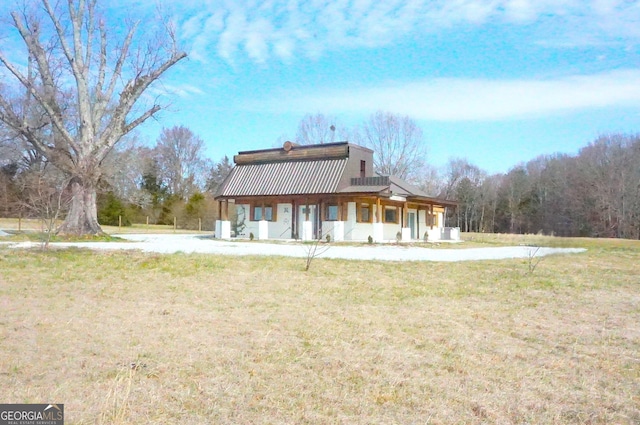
<point x="309" y="192"/>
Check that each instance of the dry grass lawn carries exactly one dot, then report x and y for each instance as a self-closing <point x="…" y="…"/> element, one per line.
<point x="133" y="338"/>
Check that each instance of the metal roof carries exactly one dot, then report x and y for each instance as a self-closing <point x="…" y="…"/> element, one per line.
<point x="284" y="178"/>
<point x="364" y="189"/>
<point x="403" y="188"/>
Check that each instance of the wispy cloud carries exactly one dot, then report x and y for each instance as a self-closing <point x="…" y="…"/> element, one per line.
<point x="172" y="90"/>
<point x="450" y="99"/>
<point x="284" y="28"/>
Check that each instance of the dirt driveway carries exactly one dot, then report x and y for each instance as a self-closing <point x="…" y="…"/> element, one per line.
<point x="188" y="243"/>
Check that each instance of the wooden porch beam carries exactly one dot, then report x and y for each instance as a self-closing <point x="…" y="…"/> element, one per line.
<point x="418" y="223"/>
<point x="405" y="214"/>
<point x="294" y="219"/>
<point x="431" y="220"/>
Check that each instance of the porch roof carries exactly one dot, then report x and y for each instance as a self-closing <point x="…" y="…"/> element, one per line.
<point x="388" y="186"/>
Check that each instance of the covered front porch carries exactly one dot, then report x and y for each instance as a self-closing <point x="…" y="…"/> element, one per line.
<point x="354" y="217"/>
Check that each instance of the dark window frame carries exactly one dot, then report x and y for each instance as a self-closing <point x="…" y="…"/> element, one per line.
<point x="396" y="216"/>
<point x="360" y="206"/>
<point x="327" y="214"/>
<point x="264" y="210"/>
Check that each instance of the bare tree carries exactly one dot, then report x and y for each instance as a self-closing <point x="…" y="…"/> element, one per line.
<point x="318" y="129"/>
<point x="179" y="156"/>
<point x="611" y="168"/>
<point x="397" y="142"/>
<point x="314" y="248"/>
<point x="124" y="169"/>
<point x="516" y="193"/>
<point x="75" y="100"/>
<point x="431" y="181"/>
<point x="218" y="173"/>
<point x="463" y="182"/>
<point x="43" y="196"/>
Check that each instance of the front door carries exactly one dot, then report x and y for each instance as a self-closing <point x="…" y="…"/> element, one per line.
<point x="302" y="216"/>
<point x="412" y="224"/>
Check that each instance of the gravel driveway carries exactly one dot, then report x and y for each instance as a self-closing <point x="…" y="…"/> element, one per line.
<point x="167" y="244"/>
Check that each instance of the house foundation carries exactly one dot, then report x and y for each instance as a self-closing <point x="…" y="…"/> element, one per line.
<point x="263" y="230"/>
<point x="307" y="231"/>
<point x="338" y="231"/>
<point x="378" y="232"/>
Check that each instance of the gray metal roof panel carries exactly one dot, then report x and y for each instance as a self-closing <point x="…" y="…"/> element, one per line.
<point x="285" y="178"/>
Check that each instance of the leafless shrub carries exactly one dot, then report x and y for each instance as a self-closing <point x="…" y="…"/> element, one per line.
<point x="315" y="249"/>
<point x="532" y="259"/>
<point x="46" y="198"/>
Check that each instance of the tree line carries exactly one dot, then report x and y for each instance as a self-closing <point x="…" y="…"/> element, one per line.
<point x="594" y="193"/>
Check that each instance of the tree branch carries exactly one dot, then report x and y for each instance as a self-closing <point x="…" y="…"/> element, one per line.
<point x="48" y="102"/>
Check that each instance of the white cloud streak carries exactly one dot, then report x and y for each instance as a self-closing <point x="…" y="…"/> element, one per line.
<point x="282" y="29"/>
<point x="450" y="99"/>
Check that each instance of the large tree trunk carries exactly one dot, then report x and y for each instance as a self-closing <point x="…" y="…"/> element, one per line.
<point x="82" y="218"/>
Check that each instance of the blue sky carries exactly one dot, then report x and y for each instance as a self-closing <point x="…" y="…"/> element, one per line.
<point x="496" y="81"/>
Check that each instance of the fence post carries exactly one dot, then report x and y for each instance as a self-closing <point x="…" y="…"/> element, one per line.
<point x="199" y="224"/>
<point x="20" y="223"/>
<point x="147" y="223"/>
<point x="175" y="222"/>
<point x="119" y="223"/>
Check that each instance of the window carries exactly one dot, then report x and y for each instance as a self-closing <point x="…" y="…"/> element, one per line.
<point x="363" y="170"/>
<point x="390" y="214"/>
<point x="263" y="212"/>
<point x="268" y="212"/>
<point x="331" y="214"/>
<point x="364" y="213"/>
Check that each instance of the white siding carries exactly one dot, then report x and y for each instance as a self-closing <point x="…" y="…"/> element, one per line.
<point x="281" y="229"/>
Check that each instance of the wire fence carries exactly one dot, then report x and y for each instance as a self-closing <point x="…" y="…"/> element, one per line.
<point x="38" y="225"/>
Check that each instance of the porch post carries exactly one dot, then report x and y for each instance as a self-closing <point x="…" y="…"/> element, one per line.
<point x="337" y="229"/>
<point x="307" y="226"/>
<point x="263" y="225"/>
<point x="406" y="230"/>
<point x="321" y="218"/>
<point x="431" y="220"/>
<point x="418" y="223"/>
<point x="294" y="219"/>
<point x="433" y="235"/>
<point x="223" y="225"/>
<point x="378" y="226"/>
